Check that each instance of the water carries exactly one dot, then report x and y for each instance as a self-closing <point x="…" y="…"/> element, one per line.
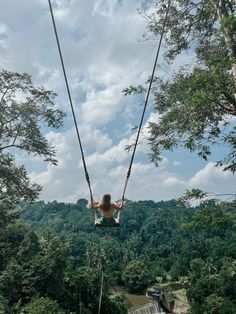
<point x="151" y="308"/>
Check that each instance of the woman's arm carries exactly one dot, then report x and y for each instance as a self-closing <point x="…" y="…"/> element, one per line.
<point x="119" y="207"/>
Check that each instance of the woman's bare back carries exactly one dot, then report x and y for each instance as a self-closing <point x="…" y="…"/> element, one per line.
<point x="107" y="213"/>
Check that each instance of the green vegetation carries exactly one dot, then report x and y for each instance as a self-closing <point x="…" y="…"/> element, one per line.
<point x="135" y="276"/>
<point x="24" y="108"/>
<point x="195" y="104"/>
<point x="59" y="261"/>
<point x="43" y="305"/>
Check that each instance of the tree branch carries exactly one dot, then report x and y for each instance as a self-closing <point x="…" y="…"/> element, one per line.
<point x="10" y="145"/>
<point x="220" y="104"/>
<point x="17" y="133"/>
<point x="3" y="95"/>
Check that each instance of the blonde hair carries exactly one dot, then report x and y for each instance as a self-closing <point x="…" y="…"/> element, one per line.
<point x="106" y="202"/>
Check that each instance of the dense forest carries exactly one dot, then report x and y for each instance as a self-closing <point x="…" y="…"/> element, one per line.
<point x="52" y="256"/>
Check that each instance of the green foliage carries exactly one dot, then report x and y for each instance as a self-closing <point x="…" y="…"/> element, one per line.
<point x="192" y="22"/>
<point x="64" y="258"/>
<point x="229" y="23"/>
<point x="24" y="109"/>
<point x="213" y="220"/>
<point x="190" y="196"/>
<point x="195" y="105"/>
<point x="3" y="305"/>
<point x="227" y="275"/>
<point x="114" y="305"/>
<point x="230" y="141"/>
<point x="83" y="287"/>
<point x="15" y="184"/>
<point x="11" y="282"/>
<point x="21" y="116"/>
<point x="205" y="287"/>
<point x="43" y="306"/>
<point x="135" y="276"/>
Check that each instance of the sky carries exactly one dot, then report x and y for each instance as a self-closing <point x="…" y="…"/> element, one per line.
<point x="104" y="52"/>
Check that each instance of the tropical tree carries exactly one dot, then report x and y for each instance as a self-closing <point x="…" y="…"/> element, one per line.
<point x="208" y="291"/>
<point x="43" y="305"/>
<point x="25" y="111"/>
<point x="135" y="276"/>
<point x="3" y="305"/>
<point x="197" y="103"/>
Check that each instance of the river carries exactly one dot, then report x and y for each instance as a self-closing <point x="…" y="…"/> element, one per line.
<point x="140" y="304"/>
<point x="150" y="308"/>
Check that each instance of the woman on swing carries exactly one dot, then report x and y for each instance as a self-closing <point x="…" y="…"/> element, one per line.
<point x="106" y="209"/>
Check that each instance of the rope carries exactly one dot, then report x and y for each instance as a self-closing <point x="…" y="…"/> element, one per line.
<point x="223" y="194"/>
<point x="72" y="107"/>
<point x="101" y="291"/>
<point x="146" y="101"/>
<point x="70" y="100"/>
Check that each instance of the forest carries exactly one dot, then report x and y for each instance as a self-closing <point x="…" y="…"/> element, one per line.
<point x="52" y="256"/>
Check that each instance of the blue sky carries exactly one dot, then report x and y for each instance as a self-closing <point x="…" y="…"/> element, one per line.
<point x="104" y="53"/>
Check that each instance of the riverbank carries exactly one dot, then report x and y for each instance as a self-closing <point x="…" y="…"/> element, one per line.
<point x="181" y="302"/>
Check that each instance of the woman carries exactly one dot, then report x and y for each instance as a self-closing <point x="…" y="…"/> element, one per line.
<point x="106" y="209"/>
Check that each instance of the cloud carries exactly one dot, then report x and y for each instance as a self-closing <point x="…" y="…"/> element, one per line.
<point x="101" y="106"/>
<point x="106" y="7"/>
<point x="108" y="167"/>
<point x="103" y="55"/>
<point x="213" y="178"/>
<point x="173" y="181"/>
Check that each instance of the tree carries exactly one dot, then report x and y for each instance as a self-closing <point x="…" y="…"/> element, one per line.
<point x="44" y="273"/>
<point x="211" y="291"/>
<point x="25" y="110"/>
<point x="3" y="305"/>
<point x="83" y="289"/>
<point x="213" y="304"/>
<point x="228" y="278"/>
<point x="196" y="104"/>
<point x="11" y="282"/>
<point x="197" y="22"/>
<point x="169" y="239"/>
<point x="135" y="276"/>
<point x="43" y="305"/>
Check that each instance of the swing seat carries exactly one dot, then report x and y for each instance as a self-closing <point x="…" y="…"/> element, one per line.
<point x="105" y="222"/>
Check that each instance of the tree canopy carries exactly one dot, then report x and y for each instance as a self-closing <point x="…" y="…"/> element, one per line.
<point x="197" y="104"/>
<point x="25" y="111"/>
<point x="154" y="239"/>
<point x="51" y="259"/>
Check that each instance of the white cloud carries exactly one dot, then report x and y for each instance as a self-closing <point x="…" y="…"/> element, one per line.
<point x="213" y="178"/>
<point x="172" y="181"/>
<point x="102" y="55"/>
<point x="108" y="167"/>
<point x="106" y="7"/>
<point x="101" y="106"/>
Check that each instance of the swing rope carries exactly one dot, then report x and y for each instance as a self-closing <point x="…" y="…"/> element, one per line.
<point x="70" y="100"/>
<point x="73" y="112"/>
<point x="146" y="102"/>
<point x="101" y="291"/>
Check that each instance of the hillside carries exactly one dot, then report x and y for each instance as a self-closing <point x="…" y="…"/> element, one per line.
<point x="55" y="252"/>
